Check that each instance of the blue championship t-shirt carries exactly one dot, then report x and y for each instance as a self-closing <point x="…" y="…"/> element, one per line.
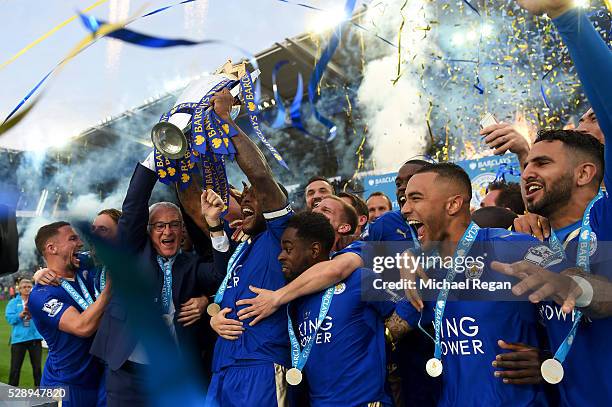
<point x="346" y="366"/>
<point x="69" y="361"/>
<point x="470" y="329"/>
<point x="268" y="340"/>
<point x="586" y="380"/>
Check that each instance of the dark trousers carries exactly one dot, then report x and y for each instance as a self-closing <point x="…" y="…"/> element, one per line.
<point x="126" y="386"/>
<point x="18" y="351"/>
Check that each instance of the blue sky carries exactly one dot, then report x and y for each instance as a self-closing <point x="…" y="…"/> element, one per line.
<point x="110" y="77"/>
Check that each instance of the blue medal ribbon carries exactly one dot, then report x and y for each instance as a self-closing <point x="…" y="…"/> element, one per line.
<point x="463" y="247"/>
<point x="299" y="358"/>
<point x="166" y="267"/>
<point x="415" y="239"/>
<point x="582" y="261"/>
<point x="102" y="278"/>
<point x="76" y="296"/>
<point x="238" y="254"/>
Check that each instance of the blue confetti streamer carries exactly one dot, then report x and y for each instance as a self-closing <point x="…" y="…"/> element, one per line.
<point x="296" y="105"/>
<point x="472" y="7"/>
<point x="542" y="89"/>
<point x="320" y="67"/>
<point x="25" y="99"/>
<point x="279" y="121"/>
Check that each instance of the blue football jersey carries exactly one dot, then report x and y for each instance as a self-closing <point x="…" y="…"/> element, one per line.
<point x="585" y="381"/>
<point x="346" y="366"/>
<point x="268" y="340"/>
<point x="69" y="360"/>
<point x="470" y="329"/>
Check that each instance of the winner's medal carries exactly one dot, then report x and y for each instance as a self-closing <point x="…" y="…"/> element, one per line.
<point x="213" y="309"/>
<point x="552" y="371"/>
<point x="299" y="357"/>
<point x="434" y="367"/>
<point x="293" y="376"/>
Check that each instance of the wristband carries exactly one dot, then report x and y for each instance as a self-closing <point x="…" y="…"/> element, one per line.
<point x="217" y="228"/>
<point x="584" y="300"/>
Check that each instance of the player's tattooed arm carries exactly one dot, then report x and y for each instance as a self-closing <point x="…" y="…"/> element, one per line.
<point x="396" y="328"/>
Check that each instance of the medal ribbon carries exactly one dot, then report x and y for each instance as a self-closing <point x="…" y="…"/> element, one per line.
<point x="415" y="239"/>
<point x="298" y="359"/>
<point x="83" y="302"/>
<point x="102" y="282"/>
<point x="238" y="254"/>
<point x="463" y="247"/>
<point x="166" y="267"/>
<point x="582" y="261"/>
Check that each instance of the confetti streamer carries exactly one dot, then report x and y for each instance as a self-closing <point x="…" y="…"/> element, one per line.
<point x="48" y="34"/>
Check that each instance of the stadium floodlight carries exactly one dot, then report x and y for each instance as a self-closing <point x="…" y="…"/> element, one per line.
<point x="327" y="19"/>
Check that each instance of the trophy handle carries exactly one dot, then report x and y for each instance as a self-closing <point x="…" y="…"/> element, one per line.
<point x="169" y="140"/>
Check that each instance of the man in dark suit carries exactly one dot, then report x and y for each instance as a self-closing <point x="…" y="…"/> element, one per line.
<point x="178" y="281"/>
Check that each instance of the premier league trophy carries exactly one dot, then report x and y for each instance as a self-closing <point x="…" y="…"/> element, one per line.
<point x="191" y="135"/>
<point x="169" y="136"/>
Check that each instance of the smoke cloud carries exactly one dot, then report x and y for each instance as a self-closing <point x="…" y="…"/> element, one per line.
<point x="393" y="106"/>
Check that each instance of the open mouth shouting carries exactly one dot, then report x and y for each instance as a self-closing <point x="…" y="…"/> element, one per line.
<point x="419" y="227"/>
<point x="247" y="213"/>
<point x="168" y="242"/>
<point x="75" y="260"/>
<point x="533" y="190"/>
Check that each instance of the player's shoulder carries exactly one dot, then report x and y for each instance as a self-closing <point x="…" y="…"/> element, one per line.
<point x="352" y="283"/>
<point x="357" y="275"/>
<point x="46" y="298"/>
<point x="511" y="246"/>
<point x="390" y="226"/>
<point x="42" y="292"/>
<point x="504" y="235"/>
<point x="355" y="247"/>
<point x="280" y="215"/>
<point x="391" y="216"/>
